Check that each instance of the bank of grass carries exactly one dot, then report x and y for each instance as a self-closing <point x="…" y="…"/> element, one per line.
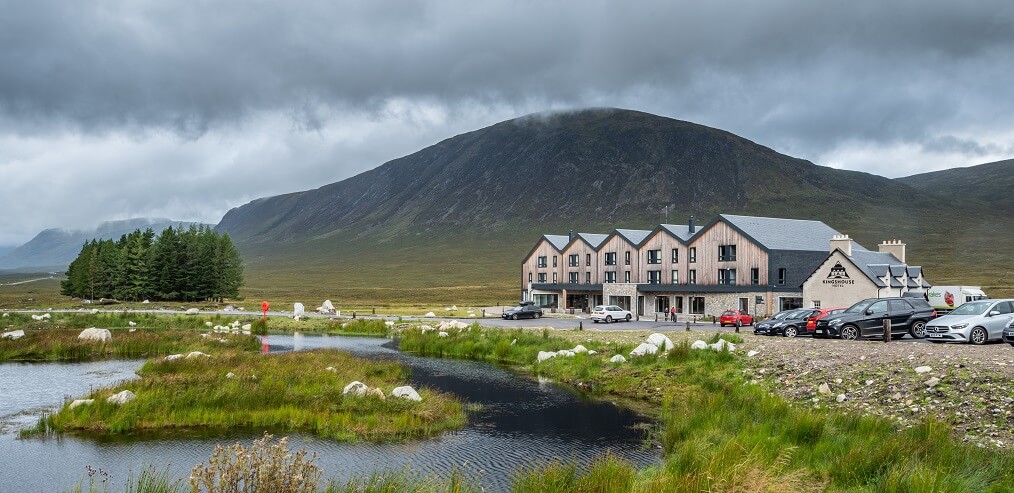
<point x="286" y="392"/>
<point x="64" y="345"/>
<point x="722" y="433"/>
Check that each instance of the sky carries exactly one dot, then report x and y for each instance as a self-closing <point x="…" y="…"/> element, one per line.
<point x="113" y="109"/>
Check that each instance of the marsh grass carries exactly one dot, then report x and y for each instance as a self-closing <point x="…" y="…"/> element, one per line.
<point x="63" y="344"/>
<point x="292" y="391"/>
<point x="150" y="480"/>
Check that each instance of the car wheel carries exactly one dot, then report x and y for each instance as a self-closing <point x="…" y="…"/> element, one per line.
<point x="1011" y="344"/>
<point x="514" y="316"/>
<point x="609" y="319"/>
<point x="721" y="325"/>
<point x="978" y="336"/>
<point x="850" y="332"/>
<point x="790" y="331"/>
<point x="628" y="317"/>
<point x="918" y="329"/>
<point x="537" y="315"/>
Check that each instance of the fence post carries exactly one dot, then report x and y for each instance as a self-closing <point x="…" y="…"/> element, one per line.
<point x="887" y="329"/>
<point x="580" y="325"/>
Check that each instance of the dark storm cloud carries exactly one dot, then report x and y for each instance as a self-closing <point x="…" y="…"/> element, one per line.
<point x="250" y="87"/>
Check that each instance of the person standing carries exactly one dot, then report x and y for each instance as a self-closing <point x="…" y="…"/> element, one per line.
<point x="672" y="312"/>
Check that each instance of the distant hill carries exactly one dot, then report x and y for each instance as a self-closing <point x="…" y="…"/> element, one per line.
<point x="54" y="249"/>
<point x="990" y="184"/>
<point x="464" y="211"/>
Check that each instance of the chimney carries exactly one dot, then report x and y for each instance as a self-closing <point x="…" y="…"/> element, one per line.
<point x="571" y="238"/>
<point x="843" y="243"/>
<point x="894" y="247"/>
<point x="693" y="227"/>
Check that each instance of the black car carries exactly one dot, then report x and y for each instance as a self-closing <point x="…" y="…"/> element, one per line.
<point x="794" y="324"/>
<point x="769" y="326"/>
<point x="866" y="319"/>
<point x="526" y="309"/>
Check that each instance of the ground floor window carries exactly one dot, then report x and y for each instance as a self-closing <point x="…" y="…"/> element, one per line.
<point x="546" y="300"/>
<point x="697" y="305"/>
<point x="662" y="304"/>
<point x="790" y="303"/>
<point x="620" y="301"/>
<point x="677" y="301"/>
<point x="744" y="304"/>
<point x="578" y="301"/>
<point x="816" y="303"/>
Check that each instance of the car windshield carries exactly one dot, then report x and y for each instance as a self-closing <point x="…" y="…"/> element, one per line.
<point x="781" y="315"/>
<point x="599" y="308"/>
<point x="729" y="314"/>
<point x="519" y="307"/>
<point x="972" y="308"/>
<point x="859" y="307"/>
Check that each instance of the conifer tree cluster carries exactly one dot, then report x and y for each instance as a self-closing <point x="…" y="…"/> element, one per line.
<point x="192" y="264"/>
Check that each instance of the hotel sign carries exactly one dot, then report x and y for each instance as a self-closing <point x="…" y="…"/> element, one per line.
<point x="838" y="277"/>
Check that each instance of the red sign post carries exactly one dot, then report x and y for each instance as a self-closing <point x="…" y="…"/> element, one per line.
<point x="264" y="308"/>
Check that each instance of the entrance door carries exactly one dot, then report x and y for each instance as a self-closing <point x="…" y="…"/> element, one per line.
<point x="640" y="306"/>
<point x="677" y="301"/>
<point x="662" y="304"/>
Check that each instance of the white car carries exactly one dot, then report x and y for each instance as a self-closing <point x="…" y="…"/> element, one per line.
<point x="609" y="313"/>
<point x="977" y="322"/>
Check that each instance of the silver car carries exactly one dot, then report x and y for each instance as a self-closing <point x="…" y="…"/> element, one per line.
<point x="976" y="322"/>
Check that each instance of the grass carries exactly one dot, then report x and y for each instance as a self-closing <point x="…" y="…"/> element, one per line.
<point x="287" y="392"/>
<point x="63" y="344"/>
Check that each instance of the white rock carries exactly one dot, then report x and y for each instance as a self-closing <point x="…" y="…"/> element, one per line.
<point x="869" y="382"/>
<point x="196" y="354"/>
<point x="134" y="324"/>
<point x="430" y="314"/>
<point x="544" y="355"/>
<point x="298" y="309"/>
<point x="207" y="324"/>
<point x="661" y="341"/>
<point x="699" y="344"/>
<point x="173" y="357"/>
<point x="824" y="388"/>
<point x="192" y="311"/>
<point x="592" y="352"/>
<point x="135" y="330"/>
<point x="389" y="323"/>
<point x="356" y="388"/>
<point x="121" y="398"/>
<point x="234" y="324"/>
<point x="442" y="334"/>
<point x="618" y="359"/>
<point x="326" y="307"/>
<point x="721" y="344"/>
<point x="580" y="349"/>
<point x="247" y="327"/>
<point x="81" y="402"/>
<point x="246" y="332"/>
<point x="14" y="334"/>
<point x="565" y="352"/>
<point x="376" y="392"/>
<point x="406" y="392"/>
<point x="425" y="328"/>
<point x="95" y="335"/>
<point x="923" y="369"/>
<point x="471" y="315"/>
<point x="230" y="375"/>
<point x="644" y="349"/>
<point x="145" y="302"/>
<point x="6" y="315"/>
<point x="331" y="369"/>
<point x="454" y="324"/>
<point x="515" y="341"/>
<point x="751" y="354"/>
<point x="93" y="311"/>
<point x="932" y="382"/>
<point x="841" y="398"/>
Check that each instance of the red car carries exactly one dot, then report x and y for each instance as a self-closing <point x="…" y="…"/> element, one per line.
<point x="819" y="313"/>
<point x="731" y="317"/>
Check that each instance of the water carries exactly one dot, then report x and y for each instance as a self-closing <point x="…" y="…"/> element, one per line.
<point x="521" y="422"/>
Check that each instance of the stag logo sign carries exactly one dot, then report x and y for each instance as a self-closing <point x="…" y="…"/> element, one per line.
<point x="838" y="277"/>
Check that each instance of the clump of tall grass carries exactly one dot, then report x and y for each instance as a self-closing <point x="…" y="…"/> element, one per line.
<point x="360" y="326"/>
<point x="63" y="344"/>
<point x="149" y="481"/>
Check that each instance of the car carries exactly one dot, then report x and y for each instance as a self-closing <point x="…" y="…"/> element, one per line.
<point x="1008" y="333"/>
<point x="766" y="327"/>
<point x="609" y="314"/>
<point x="735" y="317"/>
<point x="819" y="313"/>
<point x="976" y="322"/>
<point x="794" y="324"/>
<point x="525" y="309"/>
<point x="866" y="319"/>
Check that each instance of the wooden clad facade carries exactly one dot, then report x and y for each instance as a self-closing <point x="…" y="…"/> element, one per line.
<point x="748" y="255"/>
<point x="532" y="268"/>
<point x="624" y="266"/>
<point x="587" y="268"/>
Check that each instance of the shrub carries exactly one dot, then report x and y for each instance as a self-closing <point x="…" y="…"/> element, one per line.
<point x="265" y="467"/>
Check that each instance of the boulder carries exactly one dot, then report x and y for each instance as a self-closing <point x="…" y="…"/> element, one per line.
<point x="699" y="344"/>
<point x="565" y="352"/>
<point x="824" y="388"/>
<point x="95" y="335"/>
<point x="618" y="359"/>
<point x="580" y="349"/>
<point x="229" y="308"/>
<point x="932" y="382"/>
<point x="389" y="323"/>
<point x="723" y="344"/>
<point x="173" y="357"/>
<point x="93" y="312"/>
<point x="192" y="311"/>
<point x="406" y="392"/>
<point x="207" y="324"/>
<point x="230" y="375"/>
<point x="751" y="354"/>
<point x="196" y="354"/>
<point x="298" y="309"/>
<point x="145" y="302"/>
<point x="81" y="402"/>
<point x="355" y="389"/>
<point x="430" y="314"/>
<point x="134" y="324"/>
<point x="376" y="392"/>
<point x="841" y="398"/>
<point x="442" y="334"/>
<point x="331" y="369"/>
<point x="592" y="352"/>
<point x="121" y="398"/>
<point x="247" y="327"/>
<point x="923" y="369"/>
<point x="454" y="324"/>
<point x="14" y="334"/>
<point x="326" y="307"/>
<point x="644" y="349"/>
<point x="544" y="355"/>
<point x="661" y="341"/>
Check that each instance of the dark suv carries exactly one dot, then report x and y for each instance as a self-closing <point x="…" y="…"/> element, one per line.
<point x="866" y="319"/>
<point x="526" y="309"/>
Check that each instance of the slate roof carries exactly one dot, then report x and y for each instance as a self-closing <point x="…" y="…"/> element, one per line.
<point x="877" y="265"/>
<point x="558" y="241"/>
<point x="681" y="231"/>
<point x="635" y="236"/>
<point x="785" y="234"/>
<point x="593" y="239"/>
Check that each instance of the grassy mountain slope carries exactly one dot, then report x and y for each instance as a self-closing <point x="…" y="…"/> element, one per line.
<point x="989" y="184"/>
<point x="458" y="216"/>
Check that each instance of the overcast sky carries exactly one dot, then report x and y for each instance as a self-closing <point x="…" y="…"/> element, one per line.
<point x="113" y="109"/>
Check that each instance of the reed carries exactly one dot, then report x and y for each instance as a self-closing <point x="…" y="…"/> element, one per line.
<point x="64" y="345"/>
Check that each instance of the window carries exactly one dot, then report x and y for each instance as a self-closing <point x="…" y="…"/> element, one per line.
<point x="626" y="258"/>
<point x="610" y="258"/>
<point x="1003" y="307"/>
<point x="726" y="253"/>
<point x="692" y="276"/>
<point x="697" y="305"/>
<point x="610" y="276"/>
<point x="743" y="308"/>
<point x="587" y="259"/>
<point x="529" y="277"/>
<point x="900" y="306"/>
<point x="781" y="275"/>
<point x="542" y="277"/>
<point x="654" y="277"/>
<point x="626" y="276"/>
<point x="574" y="277"/>
<point x="816" y="303"/>
<point x="587" y="277"/>
<point x="554" y="277"/>
<point x="675" y="277"/>
<point x="754" y="276"/>
<point x="542" y="261"/>
<point x="675" y="255"/>
<point x="573" y="260"/>
<point x="654" y="256"/>
<point x="726" y="276"/>
<point x="554" y="260"/>
<point x="692" y="255"/>
<point x="878" y="307"/>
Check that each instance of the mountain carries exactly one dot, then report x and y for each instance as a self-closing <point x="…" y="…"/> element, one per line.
<point x="990" y="184"/>
<point x="54" y="249"/>
<point x="461" y="214"/>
